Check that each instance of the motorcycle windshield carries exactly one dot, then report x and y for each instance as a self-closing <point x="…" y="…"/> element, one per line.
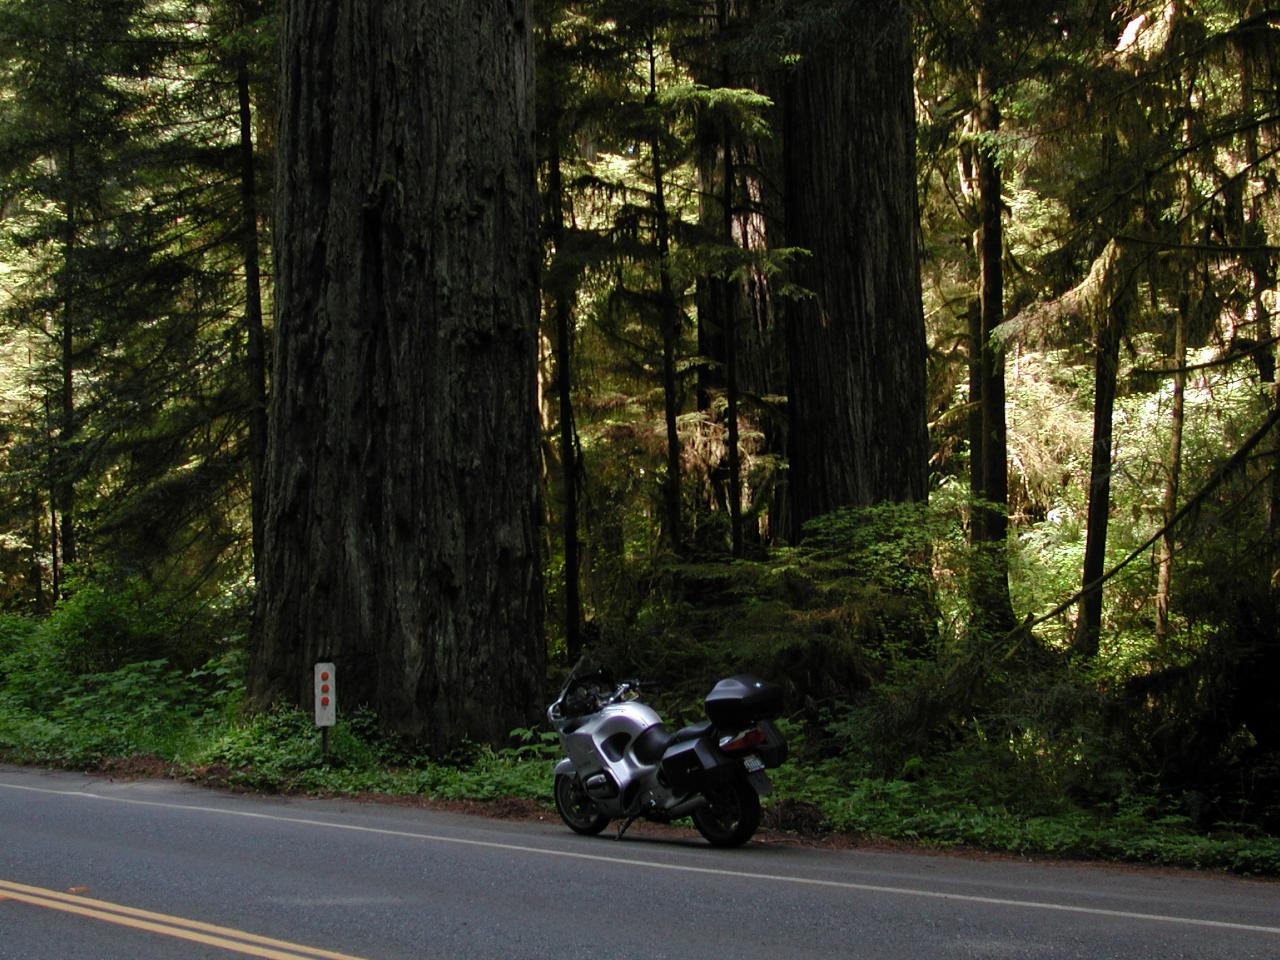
<point x="587" y="668"/>
<point x="585" y="689"/>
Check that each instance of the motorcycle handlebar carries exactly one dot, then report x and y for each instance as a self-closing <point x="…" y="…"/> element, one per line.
<point x="624" y="687"/>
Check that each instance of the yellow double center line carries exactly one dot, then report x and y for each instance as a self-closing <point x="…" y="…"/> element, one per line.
<point x="209" y="934"/>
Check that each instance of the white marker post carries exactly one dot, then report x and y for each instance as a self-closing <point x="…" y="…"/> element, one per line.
<point x="326" y="688"/>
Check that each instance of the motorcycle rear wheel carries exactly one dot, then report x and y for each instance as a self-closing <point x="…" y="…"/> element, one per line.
<point x="731" y="815"/>
<point x="576" y="809"/>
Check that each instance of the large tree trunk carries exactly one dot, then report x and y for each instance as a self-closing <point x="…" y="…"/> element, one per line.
<point x="402" y="484"/>
<point x="857" y="347"/>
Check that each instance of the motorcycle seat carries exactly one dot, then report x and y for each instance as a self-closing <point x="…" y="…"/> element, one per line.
<point x="692" y="732"/>
<point x="653" y="743"/>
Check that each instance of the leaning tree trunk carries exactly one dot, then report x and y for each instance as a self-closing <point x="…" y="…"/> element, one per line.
<point x="402" y="484"/>
<point x="857" y="346"/>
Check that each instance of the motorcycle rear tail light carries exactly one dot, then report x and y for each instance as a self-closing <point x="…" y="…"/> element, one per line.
<point x="743" y="741"/>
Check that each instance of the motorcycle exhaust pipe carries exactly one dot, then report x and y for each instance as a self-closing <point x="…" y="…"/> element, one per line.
<point x="687" y="807"/>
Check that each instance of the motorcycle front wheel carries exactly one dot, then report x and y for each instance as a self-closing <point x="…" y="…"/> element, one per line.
<point x="731" y="815"/>
<point x="576" y="809"/>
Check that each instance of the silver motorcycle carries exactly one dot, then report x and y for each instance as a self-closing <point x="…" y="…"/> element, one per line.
<point x="623" y="763"/>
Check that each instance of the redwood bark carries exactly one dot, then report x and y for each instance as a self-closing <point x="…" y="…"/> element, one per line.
<point x="857" y="346"/>
<point x="401" y="507"/>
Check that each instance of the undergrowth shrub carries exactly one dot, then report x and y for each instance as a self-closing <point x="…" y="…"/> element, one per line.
<point x="108" y="674"/>
<point x="946" y="738"/>
<point x="141" y="708"/>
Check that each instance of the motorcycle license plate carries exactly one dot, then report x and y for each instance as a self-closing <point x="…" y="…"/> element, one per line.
<point x="757" y="777"/>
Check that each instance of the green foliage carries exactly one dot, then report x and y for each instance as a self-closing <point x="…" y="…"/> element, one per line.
<point x="956" y="802"/>
<point x="144" y="708"/>
<point x="281" y="750"/>
<point x="120" y="668"/>
<point x="101" y="626"/>
<point x="823" y="618"/>
<point x="1027" y="779"/>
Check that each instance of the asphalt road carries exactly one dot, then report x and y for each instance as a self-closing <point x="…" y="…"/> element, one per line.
<point x="102" y="870"/>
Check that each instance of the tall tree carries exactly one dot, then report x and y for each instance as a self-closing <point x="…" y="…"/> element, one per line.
<point x="1112" y="320"/>
<point x="670" y="316"/>
<point x="857" y="346"/>
<point x="991" y="456"/>
<point x="112" y="171"/>
<point x="558" y="49"/>
<point x="402" y="482"/>
<point x="244" y="15"/>
<point x="738" y="346"/>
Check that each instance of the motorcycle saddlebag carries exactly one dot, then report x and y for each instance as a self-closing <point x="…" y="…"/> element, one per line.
<point x="694" y="765"/>
<point x="742" y="700"/>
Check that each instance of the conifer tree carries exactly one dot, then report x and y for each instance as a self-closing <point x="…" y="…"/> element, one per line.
<point x="141" y="282"/>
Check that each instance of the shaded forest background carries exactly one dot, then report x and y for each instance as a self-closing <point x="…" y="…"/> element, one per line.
<point x="1071" y="586"/>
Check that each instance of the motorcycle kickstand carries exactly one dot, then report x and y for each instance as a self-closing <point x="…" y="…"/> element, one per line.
<point x="623" y="829"/>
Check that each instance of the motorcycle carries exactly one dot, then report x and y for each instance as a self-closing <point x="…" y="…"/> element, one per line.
<point x="623" y="763"/>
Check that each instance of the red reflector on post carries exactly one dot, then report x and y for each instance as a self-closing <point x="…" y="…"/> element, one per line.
<point x="325" y="694"/>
